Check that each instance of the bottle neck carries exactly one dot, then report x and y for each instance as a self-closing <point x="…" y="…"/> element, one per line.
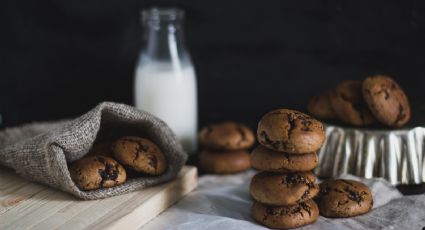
<point x="164" y="41"/>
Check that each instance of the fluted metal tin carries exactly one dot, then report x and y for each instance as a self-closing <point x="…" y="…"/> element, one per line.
<point x="395" y="155"/>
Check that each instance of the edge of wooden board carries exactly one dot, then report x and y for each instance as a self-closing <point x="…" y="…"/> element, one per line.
<point x="171" y="192"/>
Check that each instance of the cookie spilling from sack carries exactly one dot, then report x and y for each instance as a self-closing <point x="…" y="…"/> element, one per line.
<point x="376" y="99"/>
<point x="108" y="164"/>
<point x="225" y="147"/>
<point x="140" y="154"/>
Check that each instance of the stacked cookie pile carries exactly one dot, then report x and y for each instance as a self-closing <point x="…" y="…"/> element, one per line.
<point x="376" y="99"/>
<point x="284" y="189"/>
<point x="225" y="148"/>
<point x="108" y="164"/>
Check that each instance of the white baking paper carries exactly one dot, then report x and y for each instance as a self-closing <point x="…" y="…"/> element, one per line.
<point x="223" y="203"/>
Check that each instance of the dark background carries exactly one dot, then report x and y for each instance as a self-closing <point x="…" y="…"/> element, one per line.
<point x="60" y="58"/>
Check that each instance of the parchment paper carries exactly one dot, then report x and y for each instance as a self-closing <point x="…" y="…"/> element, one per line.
<point x="223" y="202"/>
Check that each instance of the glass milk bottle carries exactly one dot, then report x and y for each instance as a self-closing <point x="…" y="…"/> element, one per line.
<point x="165" y="81"/>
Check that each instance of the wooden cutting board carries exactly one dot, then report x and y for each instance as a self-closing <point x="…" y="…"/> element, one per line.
<point x="27" y="205"/>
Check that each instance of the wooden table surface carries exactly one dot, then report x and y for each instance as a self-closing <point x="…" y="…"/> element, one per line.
<point x="27" y="205"/>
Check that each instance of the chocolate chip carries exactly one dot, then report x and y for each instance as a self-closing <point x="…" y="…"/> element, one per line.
<point x="109" y="173"/>
<point x="353" y="195"/>
<point x="306" y="125"/>
<point x="306" y="207"/>
<point x="297" y="210"/>
<point x="265" y="136"/>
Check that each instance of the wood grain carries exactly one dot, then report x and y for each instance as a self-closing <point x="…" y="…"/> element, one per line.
<point x="27" y="205"/>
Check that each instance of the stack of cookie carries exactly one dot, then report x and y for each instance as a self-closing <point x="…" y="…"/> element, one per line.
<point x="284" y="189"/>
<point x="225" y="148"/>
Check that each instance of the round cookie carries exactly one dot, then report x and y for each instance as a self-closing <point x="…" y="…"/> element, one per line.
<point x="320" y="106"/>
<point x="285" y="217"/>
<point x="349" y="105"/>
<point x="140" y="155"/>
<point x="224" y="162"/>
<point x="265" y="159"/>
<point x="283" y="189"/>
<point x="96" y="172"/>
<point x="344" y="198"/>
<point x="226" y="136"/>
<point x="386" y="100"/>
<point x="290" y="131"/>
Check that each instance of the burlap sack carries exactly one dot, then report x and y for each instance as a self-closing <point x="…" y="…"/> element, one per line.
<point x="40" y="151"/>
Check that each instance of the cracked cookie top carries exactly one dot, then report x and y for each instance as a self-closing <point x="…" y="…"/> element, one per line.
<point x="290" y="131"/>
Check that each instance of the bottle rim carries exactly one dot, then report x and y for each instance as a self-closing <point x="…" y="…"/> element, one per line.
<point x="162" y="13"/>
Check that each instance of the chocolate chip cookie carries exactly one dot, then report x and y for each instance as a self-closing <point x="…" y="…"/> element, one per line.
<point x="349" y="105"/>
<point x="96" y="172"/>
<point x="290" y="131"/>
<point x="283" y="189"/>
<point x="344" y="198"/>
<point x="265" y="159"/>
<point x="386" y="100"/>
<point x="226" y="136"/>
<point x="285" y="217"/>
<point x="213" y="161"/>
<point x="140" y="155"/>
<point x="320" y="106"/>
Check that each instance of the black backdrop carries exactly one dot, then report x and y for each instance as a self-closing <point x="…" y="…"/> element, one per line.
<point x="59" y="58"/>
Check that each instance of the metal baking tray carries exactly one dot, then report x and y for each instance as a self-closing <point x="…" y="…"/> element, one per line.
<point x="395" y="155"/>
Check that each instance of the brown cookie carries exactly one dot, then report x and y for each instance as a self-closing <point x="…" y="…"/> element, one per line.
<point x="283" y="189"/>
<point x="140" y="155"/>
<point x="349" y="105"/>
<point x="224" y="162"/>
<point x="344" y="198"/>
<point x="290" y="131"/>
<point x="265" y="159"/>
<point x="386" y="100"/>
<point x="97" y="172"/>
<point x="285" y="217"/>
<point x="226" y="136"/>
<point x="320" y="106"/>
